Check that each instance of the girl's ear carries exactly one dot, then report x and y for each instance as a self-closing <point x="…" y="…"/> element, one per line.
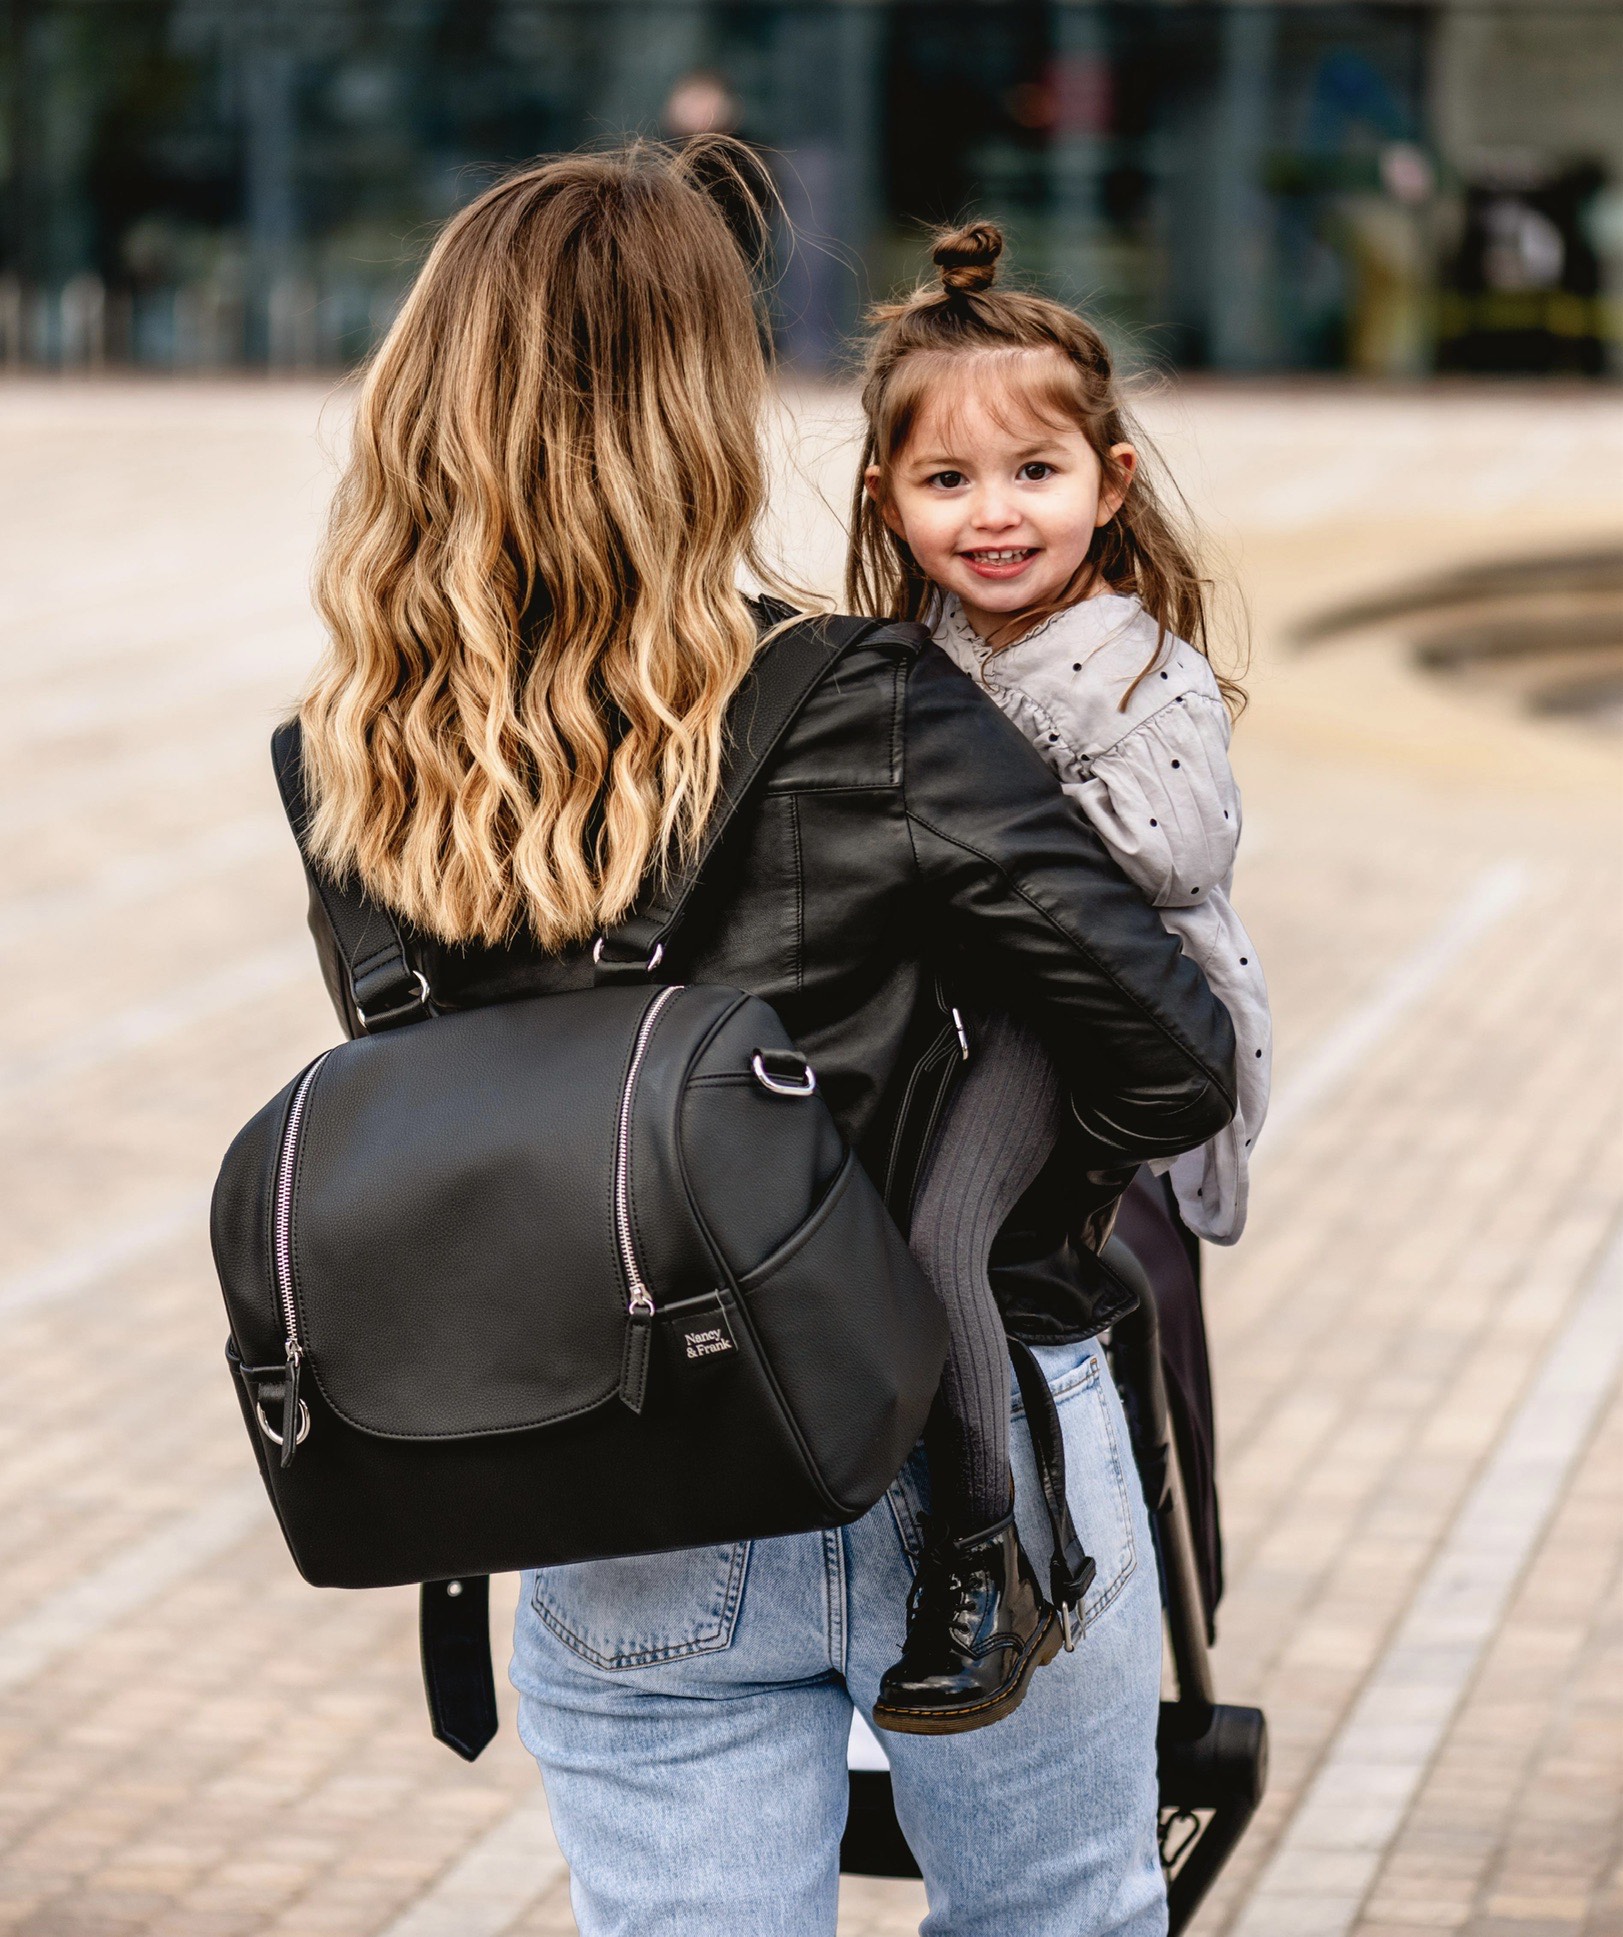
<point x="1113" y="493"/>
<point x="887" y="510"/>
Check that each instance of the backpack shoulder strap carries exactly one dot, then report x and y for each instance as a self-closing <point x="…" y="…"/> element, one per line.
<point x="389" y="990"/>
<point x="785" y="675"/>
<point x="386" y="988"/>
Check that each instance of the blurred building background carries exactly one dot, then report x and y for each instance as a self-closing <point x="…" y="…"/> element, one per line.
<point x="1416" y="1348"/>
<point x="1392" y="189"/>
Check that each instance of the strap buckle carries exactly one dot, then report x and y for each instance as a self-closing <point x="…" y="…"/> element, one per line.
<point x="655" y="957"/>
<point x="392" y="1013"/>
<point x="804" y="1083"/>
<point x="1071" y="1573"/>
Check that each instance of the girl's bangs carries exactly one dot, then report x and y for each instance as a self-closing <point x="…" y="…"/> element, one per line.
<point x="1017" y="385"/>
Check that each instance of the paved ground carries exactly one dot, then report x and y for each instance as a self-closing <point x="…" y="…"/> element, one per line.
<point x="1416" y="1346"/>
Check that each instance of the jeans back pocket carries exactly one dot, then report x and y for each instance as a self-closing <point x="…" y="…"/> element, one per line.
<point x="1100" y="1476"/>
<point x="650" y="1608"/>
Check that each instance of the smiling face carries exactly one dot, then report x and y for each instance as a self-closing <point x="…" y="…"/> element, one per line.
<point x="998" y="501"/>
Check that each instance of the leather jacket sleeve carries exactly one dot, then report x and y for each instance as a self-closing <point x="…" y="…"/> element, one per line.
<point x="1048" y="922"/>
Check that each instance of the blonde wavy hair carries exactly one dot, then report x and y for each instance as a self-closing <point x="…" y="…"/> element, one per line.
<point x="531" y="572"/>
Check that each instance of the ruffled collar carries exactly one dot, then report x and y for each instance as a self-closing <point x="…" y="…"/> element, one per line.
<point x="1088" y="623"/>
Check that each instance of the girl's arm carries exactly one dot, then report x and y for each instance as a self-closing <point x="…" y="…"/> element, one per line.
<point x="1163" y="799"/>
<point x="1155" y="783"/>
<point x="1028" y="888"/>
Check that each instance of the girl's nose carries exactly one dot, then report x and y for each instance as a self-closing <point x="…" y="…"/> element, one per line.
<point x="992" y="511"/>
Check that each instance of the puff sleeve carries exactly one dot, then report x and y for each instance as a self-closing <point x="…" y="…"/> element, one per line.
<point x="1162" y="797"/>
<point x="1134" y="728"/>
<point x="1163" y="800"/>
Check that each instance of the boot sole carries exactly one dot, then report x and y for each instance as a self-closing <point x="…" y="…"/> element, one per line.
<point x="979" y="1715"/>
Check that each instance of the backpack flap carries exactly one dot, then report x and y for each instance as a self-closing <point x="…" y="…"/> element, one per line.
<point x="441" y="1241"/>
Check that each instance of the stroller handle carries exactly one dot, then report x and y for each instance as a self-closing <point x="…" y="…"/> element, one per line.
<point x="1135" y="1346"/>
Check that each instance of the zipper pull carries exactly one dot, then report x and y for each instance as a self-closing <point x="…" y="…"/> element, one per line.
<point x="639" y="1341"/>
<point x="963" y="1034"/>
<point x="293" y="1427"/>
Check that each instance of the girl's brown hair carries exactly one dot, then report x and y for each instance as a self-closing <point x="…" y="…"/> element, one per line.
<point x="1061" y="368"/>
<point x="530" y="575"/>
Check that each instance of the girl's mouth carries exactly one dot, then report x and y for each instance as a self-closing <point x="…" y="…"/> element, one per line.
<point x="1006" y="562"/>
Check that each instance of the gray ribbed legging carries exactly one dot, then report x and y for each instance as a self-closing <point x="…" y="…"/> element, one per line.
<point x="996" y="1137"/>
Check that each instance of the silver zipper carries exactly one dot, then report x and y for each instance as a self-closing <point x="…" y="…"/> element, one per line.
<point x="640" y="1303"/>
<point x="282" y="1209"/>
<point x="963" y="1033"/>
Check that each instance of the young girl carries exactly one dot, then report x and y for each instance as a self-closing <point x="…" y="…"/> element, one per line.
<point x="1002" y="502"/>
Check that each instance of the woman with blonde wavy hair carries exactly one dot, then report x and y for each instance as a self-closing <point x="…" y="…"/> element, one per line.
<point x="531" y="585"/>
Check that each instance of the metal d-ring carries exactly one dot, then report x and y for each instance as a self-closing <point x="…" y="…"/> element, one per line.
<point x="424" y="996"/>
<point x="807" y="1086"/>
<point x="301" y="1433"/>
<point x="648" y="967"/>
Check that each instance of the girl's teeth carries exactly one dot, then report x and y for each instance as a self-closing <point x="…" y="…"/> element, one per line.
<point x="1000" y="558"/>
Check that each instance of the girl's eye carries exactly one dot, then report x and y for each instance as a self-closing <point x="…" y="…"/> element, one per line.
<point x="1036" y="471"/>
<point x="947" y="480"/>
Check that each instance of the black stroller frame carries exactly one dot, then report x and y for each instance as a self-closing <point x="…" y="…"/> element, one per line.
<point x="1213" y="1757"/>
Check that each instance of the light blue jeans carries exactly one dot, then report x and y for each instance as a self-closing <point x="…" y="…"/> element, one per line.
<point x="690" y="1711"/>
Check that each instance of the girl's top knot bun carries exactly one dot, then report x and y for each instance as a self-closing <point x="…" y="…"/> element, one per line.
<point x="967" y="258"/>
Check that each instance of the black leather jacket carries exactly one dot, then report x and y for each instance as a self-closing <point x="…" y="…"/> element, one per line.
<point x="908" y="852"/>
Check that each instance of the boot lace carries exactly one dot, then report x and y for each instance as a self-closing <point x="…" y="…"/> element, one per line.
<point x="937" y="1579"/>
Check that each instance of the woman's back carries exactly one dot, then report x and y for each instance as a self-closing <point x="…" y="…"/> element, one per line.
<point x="902" y="838"/>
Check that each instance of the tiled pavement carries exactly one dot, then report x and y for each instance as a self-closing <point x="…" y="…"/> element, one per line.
<point x="194" y="1743"/>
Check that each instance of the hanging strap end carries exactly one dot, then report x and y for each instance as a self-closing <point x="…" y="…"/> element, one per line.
<point x="454" y="1628"/>
<point x="1070" y="1575"/>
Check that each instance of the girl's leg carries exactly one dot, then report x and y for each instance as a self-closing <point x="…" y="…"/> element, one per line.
<point x="1046" y="1824"/>
<point x="996" y="1138"/>
<point x="979" y="1626"/>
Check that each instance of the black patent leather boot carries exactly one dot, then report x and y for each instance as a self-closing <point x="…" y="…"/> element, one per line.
<point x="978" y="1628"/>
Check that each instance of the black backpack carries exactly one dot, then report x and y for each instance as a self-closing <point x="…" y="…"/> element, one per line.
<point x="583" y="1275"/>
